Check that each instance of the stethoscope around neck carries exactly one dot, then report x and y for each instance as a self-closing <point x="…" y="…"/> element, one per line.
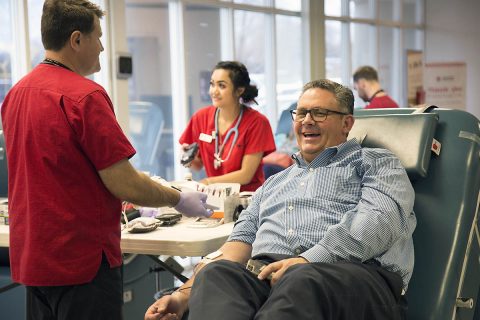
<point x="217" y="156"/>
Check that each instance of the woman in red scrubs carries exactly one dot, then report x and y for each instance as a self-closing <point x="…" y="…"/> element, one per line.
<point x="232" y="137"/>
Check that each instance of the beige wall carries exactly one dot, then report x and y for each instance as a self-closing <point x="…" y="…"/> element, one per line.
<point x="452" y="35"/>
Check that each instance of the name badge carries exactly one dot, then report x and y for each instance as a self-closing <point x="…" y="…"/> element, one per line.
<point x="205" y="138"/>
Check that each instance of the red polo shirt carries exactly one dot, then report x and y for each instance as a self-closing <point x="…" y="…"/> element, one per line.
<point x="254" y="135"/>
<point x="60" y="130"/>
<point x="382" y="102"/>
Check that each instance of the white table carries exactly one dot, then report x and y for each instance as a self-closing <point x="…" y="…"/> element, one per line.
<point x="178" y="240"/>
<point x="4" y="242"/>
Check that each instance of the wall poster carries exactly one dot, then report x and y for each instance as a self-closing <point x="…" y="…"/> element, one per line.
<point x="445" y="84"/>
<point x="415" y="91"/>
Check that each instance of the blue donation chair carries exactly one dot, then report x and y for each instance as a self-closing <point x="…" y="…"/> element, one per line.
<point x="446" y="277"/>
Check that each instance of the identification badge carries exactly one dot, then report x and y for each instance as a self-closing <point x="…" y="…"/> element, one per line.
<point x="205" y="138"/>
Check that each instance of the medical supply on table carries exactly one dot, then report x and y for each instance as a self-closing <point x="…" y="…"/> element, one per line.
<point x="169" y="219"/>
<point x="142" y="225"/>
<point x="226" y="197"/>
<point x="189" y="199"/>
<point x="4" y="211"/>
<point x="206" y="223"/>
<point x="216" y="198"/>
<point x="235" y="204"/>
<point x="230" y="204"/>
<point x="216" y="192"/>
<point x="217" y="156"/>
<point x="138" y="224"/>
<point x="148" y="212"/>
<point x="129" y="212"/>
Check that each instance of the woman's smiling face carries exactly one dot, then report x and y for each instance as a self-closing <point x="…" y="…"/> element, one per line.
<point x="222" y="90"/>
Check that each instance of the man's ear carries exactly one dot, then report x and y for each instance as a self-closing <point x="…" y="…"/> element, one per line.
<point x="348" y="122"/>
<point x="75" y="39"/>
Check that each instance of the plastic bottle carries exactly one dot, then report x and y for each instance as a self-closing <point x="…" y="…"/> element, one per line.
<point x="230" y="204"/>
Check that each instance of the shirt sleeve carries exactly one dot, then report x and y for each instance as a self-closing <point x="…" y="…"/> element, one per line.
<point x="380" y="219"/>
<point x="188" y="134"/>
<point x="260" y="137"/>
<point x="98" y="131"/>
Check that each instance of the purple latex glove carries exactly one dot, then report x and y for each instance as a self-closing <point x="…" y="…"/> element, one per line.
<point x="148" y="212"/>
<point x="193" y="204"/>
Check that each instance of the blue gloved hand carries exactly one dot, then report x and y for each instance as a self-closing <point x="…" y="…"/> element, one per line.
<point x="193" y="204"/>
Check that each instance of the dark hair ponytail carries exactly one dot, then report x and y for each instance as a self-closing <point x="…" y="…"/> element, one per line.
<point x="240" y="79"/>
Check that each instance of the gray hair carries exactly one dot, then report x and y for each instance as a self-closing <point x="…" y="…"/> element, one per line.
<point x="343" y="95"/>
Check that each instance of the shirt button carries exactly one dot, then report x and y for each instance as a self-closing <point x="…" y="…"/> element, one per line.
<point x="290" y="231"/>
<point x="302" y="184"/>
<point x="298" y="251"/>
<point x="311" y="169"/>
<point x="290" y="208"/>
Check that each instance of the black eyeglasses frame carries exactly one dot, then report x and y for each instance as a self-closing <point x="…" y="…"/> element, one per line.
<point x="293" y="113"/>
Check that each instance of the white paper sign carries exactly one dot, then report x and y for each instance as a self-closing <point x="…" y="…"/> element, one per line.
<point x="445" y="84"/>
<point x="217" y="192"/>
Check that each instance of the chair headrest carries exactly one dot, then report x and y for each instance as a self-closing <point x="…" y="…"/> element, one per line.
<point x="408" y="136"/>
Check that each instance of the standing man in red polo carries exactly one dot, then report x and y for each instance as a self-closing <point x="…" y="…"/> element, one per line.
<point x="68" y="171"/>
<point x="365" y="81"/>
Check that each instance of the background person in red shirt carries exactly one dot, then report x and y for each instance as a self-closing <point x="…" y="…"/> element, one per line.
<point x="232" y="137"/>
<point x="365" y="81"/>
<point x="68" y="169"/>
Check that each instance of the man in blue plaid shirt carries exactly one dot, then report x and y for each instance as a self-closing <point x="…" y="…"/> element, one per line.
<point x="334" y="231"/>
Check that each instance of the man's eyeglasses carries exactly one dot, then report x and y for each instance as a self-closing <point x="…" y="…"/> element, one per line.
<point x="317" y="114"/>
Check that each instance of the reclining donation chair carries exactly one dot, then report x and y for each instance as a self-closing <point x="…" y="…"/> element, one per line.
<point x="440" y="149"/>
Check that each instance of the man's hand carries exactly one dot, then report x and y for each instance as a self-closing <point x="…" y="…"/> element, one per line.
<point x="193" y="204"/>
<point x="170" y="307"/>
<point x="277" y="269"/>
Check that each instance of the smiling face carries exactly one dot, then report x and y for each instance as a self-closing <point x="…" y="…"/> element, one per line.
<point x="222" y="90"/>
<point x="314" y="137"/>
